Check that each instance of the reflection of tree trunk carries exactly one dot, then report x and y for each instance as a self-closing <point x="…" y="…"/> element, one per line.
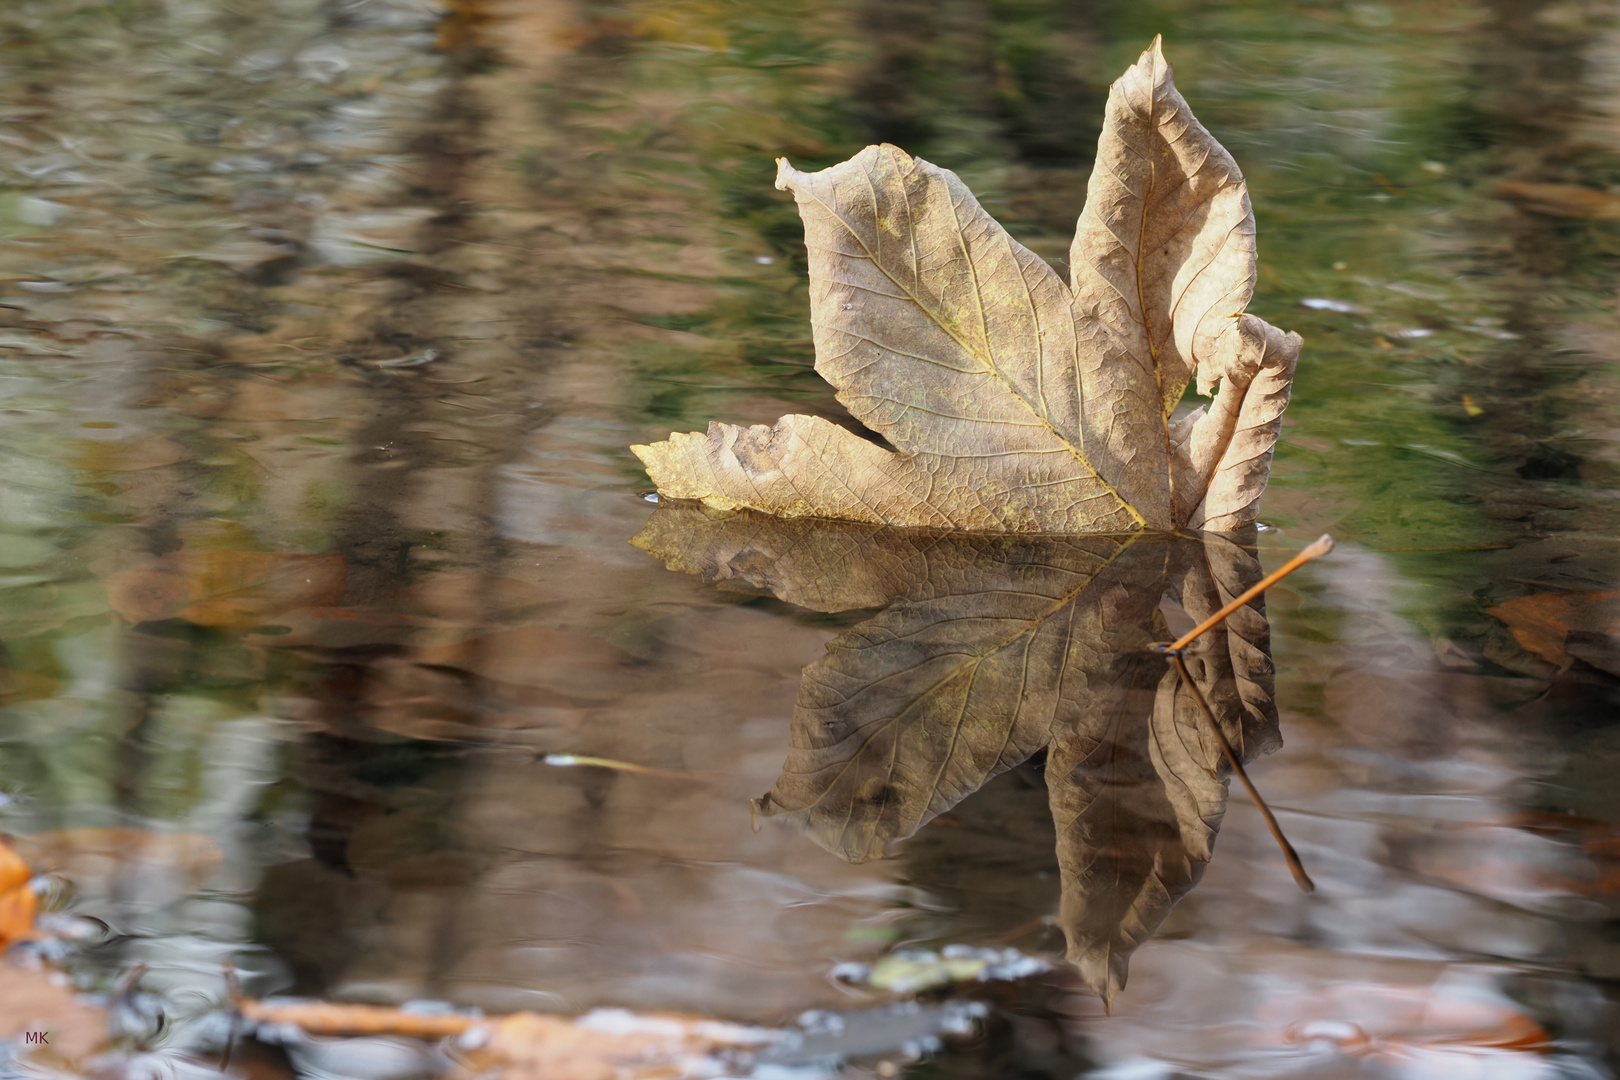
<point x="1007" y="91"/>
<point x="942" y="76"/>
<point x="911" y="41"/>
<point x="1527" y="93"/>
<point x="414" y="509"/>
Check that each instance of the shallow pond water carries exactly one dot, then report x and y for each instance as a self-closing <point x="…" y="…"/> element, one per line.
<point x="325" y="326"/>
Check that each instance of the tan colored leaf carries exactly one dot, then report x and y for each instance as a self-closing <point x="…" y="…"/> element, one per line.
<point x="821" y="565"/>
<point x="960" y="681"/>
<point x="1222" y="453"/>
<point x="993" y="648"/>
<point x="1162" y="260"/>
<point x="1016" y="402"/>
<point x="1129" y="804"/>
<point x="1137" y="805"/>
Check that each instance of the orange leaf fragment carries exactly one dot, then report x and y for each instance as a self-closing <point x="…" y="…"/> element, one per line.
<point x="17" y="901"/>
<point x="328" y="1018"/>
<point x="1543" y="623"/>
<point x="1393" y="1024"/>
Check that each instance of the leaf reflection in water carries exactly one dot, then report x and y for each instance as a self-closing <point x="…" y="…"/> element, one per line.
<point x="989" y="649"/>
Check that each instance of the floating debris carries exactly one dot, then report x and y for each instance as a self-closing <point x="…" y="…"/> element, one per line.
<point x="564" y="761"/>
<point x="426" y="356"/>
<point x="912" y="971"/>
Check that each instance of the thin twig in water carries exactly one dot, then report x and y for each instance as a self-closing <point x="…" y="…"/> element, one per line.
<point x="1322" y="546"/>
<point x="567" y="760"/>
<point x="1316" y="550"/>
<point x="233" y="990"/>
<point x="1295" y="867"/>
<point x="126" y="985"/>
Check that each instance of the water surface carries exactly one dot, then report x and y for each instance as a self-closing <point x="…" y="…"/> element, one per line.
<point x="326" y="327"/>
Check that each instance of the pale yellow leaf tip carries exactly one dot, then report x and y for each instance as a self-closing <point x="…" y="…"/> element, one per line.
<point x="783" y="171"/>
<point x="1155" y="54"/>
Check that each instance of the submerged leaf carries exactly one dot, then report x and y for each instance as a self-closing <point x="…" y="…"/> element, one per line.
<point x="1561" y="627"/>
<point x="1016" y="402"/>
<point x="991" y="649"/>
<point x="226" y="588"/>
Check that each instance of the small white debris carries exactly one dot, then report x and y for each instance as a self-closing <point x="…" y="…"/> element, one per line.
<point x="426" y="356"/>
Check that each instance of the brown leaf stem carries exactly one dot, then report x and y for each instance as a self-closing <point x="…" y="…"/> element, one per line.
<point x="1315" y="550"/>
<point x="1295" y="867"/>
<point x="1321" y="546"/>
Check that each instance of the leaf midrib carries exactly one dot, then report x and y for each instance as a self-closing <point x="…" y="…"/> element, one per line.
<point x="1029" y="627"/>
<point x="987" y="360"/>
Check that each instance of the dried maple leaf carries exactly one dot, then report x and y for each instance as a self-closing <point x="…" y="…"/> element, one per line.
<point x="1016" y="402"/>
<point x="989" y="649"/>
